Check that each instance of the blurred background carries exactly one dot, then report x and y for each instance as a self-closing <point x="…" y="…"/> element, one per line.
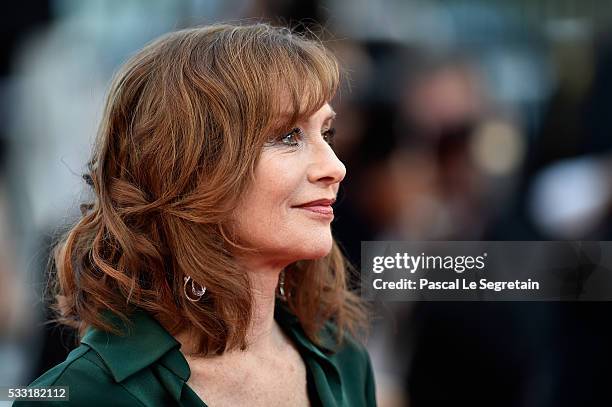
<point x="457" y="120"/>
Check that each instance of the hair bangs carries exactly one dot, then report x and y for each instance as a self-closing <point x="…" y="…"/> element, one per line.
<point x="306" y="76"/>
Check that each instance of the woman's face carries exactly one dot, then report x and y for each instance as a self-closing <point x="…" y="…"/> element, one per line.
<point x="279" y="214"/>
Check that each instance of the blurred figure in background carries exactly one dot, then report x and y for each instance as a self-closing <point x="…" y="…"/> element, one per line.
<point x="19" y="332"/>
<point x="13" y="304"/>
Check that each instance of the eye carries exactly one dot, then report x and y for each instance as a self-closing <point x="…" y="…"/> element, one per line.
<point x="329" y="136"/>
<point x="292" y="138"/>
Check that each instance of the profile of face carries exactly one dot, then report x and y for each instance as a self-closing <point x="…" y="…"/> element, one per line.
<point x="286" y="212"/>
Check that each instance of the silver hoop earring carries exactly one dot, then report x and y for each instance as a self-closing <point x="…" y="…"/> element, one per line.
<point x="196" y="293"/>
<point x="281" y="285"/>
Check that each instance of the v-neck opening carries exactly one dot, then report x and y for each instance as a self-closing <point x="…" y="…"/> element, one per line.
<point x="311" y="385"/>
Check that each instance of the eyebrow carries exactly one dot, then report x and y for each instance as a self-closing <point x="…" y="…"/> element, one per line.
<point x="331" y="116"/>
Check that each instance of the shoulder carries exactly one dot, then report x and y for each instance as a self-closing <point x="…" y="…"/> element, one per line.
<point x="88" y="380"/>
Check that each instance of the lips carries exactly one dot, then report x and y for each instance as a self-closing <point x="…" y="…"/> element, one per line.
<point x="318" y="202"/>
<point x="320" y="207"/>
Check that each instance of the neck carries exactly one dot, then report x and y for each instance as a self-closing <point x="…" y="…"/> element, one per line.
<point x="263" y="335"/>
<point x="263" y="332"/>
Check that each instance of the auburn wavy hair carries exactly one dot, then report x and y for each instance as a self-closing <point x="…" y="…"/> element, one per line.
<point x="182" y="130"/>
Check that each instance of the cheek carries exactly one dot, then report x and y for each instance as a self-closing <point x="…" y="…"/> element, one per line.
<point x="278" y="179"/>
<point x="265" y="207"/>
<point x="272" y="198"/>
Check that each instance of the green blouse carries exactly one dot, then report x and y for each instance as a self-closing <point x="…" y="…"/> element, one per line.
<point x="146" y="368"/>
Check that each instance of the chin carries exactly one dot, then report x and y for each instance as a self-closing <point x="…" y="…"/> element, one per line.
<point x="304" y="245"/>
<point x="318" y="249"/>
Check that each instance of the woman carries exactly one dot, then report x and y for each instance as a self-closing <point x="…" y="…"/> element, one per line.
<point x="205" y="270"/>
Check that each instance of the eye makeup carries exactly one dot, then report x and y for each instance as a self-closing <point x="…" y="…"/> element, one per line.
<point x="297" y="134"/>
<point x="289" y="139"/>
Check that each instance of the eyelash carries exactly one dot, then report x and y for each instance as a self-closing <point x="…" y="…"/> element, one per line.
<point x="328" y="136"/>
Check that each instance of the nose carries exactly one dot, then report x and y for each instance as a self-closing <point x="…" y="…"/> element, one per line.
<point x="326" y="166"/>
